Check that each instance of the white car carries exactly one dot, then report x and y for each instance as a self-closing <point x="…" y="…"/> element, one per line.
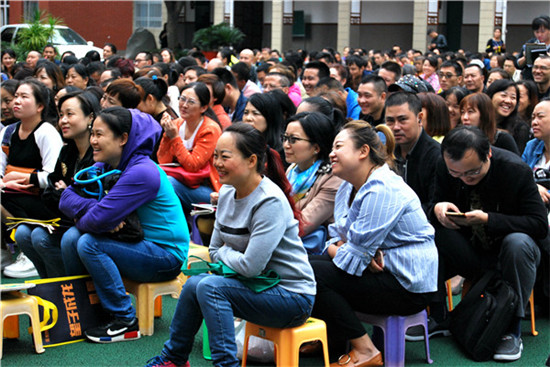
<point x="64" y="39"/>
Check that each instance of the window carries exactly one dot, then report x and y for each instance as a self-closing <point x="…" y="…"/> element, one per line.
<point x="148" y="14"/>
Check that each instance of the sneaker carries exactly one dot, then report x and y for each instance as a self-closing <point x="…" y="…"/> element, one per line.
<point x="161" y="361"/>
<point x="7" y="258"/>
<point x="416" y="333"/>
<point x="21" y="268"/>
<point x="117" y="330"/>
<point x="509" y="349"/>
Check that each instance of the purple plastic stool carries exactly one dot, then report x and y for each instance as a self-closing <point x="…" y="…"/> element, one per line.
<point x="394" y="328"/>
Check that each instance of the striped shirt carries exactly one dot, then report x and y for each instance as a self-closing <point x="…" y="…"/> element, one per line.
<point x="385" y="214"/>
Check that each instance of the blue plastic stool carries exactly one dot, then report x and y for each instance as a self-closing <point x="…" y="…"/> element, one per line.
<point x="394" y="328"/>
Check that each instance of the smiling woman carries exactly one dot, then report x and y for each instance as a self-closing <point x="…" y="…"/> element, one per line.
<point x="505" y="97"/>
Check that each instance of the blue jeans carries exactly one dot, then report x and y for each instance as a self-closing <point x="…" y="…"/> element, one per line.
<point x="218" y="300"/>
<point x="190" y="196"/>
<point x="42" y="248"/>
<point x="107" y="261"/>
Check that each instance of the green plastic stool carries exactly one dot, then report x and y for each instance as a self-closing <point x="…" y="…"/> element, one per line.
<point x="205" y="346"/>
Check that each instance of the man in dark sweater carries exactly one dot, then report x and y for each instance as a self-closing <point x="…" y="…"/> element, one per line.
<point x="416" y="152"/>
<point x="503" y="217"/>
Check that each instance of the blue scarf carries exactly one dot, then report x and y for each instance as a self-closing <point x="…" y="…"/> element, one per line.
<point x="302" y="181"/>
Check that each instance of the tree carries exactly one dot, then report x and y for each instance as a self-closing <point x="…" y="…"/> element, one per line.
<point x="173" y="8"/>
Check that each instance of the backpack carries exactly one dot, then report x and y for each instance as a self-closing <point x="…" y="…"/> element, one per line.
<point x="484" y="315"/>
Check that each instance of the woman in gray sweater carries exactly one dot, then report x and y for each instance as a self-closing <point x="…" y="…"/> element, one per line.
<point x="255" y="231"/>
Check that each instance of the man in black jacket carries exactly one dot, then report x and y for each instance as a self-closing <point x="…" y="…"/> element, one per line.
<point x="416" y="152"/>
<point x="503" y="216"/>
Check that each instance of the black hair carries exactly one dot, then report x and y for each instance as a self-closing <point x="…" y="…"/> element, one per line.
<point x="323" y="106"/>
<point x="118" y="119"/>
<point x="330" y="83"/>
<point x="218" y="87"/>
<point x="319" y="130"/>
<point x="198" y="55"/>
<point x="93" y="55"/>
<point x="271" y="111"/>
<point x="80" y="70"/>
<point x="54" y="73"/>
<point x="378" y="82"/>
<point x="89" y="104"/>
<point x="154" y="86"/>
<point x="201" y="90"/>
<point x="458" y="91"/>
<point x="10" y="85"/>
<point x="226" y="77"/>
<point x="40" y="92"/>
<point x="198" y="70"/>
<point x="288" y="108"/>
<point x="186" y="61"/>
<point x="400" y="98"/>
<point x="395" y="68"/>
<point x="356" y="60"/>
<point x="452" y="64"/>
<point x="242" y="71"/>
<point x="323" y="69"/>
<point x="463" y="138"/>
<point x="95" y="67"/>
<point x="499" y="71"/>
<point x="113" y="47"/>
<point x="541" y="21"/>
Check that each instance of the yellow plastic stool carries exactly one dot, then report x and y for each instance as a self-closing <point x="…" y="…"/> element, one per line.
<point x="148" y="305"/>
<point x="17" y="303"/>
<point x="146" y="294"/>
<point x="288" y="341"/>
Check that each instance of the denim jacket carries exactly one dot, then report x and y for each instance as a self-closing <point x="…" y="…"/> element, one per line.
<point x="533" y="151"/>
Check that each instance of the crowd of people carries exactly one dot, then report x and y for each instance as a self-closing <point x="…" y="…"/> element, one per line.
<point x="347" y="174"/>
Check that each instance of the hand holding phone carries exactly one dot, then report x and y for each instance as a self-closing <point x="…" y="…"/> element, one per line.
<point x="455" y="214"/>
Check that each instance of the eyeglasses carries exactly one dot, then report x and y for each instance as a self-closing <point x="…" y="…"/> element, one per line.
<point x="541" y="67"/>
<point x="189" y="101"/>
<point x="139" y="60"/>
<point x="446" y="75"/>
<point x="292" y="139"/>
<point x="470" y="173"/>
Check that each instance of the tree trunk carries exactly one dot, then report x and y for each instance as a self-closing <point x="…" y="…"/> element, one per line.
<point x="173" y="8"/>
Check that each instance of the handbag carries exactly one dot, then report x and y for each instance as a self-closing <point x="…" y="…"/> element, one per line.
<point x="190" y="179"/>
<point x="72" y="305"/>
<point x="25" y="170"/>
<point x="131" y="232"/>
<point x="260" y="283"/>
<point x="483" y="316"/>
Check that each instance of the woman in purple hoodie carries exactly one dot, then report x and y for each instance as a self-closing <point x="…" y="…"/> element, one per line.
<point x="123" y="140"/>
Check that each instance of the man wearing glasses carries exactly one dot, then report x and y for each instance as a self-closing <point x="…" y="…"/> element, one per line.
<point x="503" y="217"/>
<point x="541" y="75"/>
<point x="450" y="75"/>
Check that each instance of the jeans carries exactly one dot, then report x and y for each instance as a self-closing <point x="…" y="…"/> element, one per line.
<point x="218" y="300"/>
<point x="107" y="261"/>
<point x="189" y="196"/>
<point x="42" y="248"/>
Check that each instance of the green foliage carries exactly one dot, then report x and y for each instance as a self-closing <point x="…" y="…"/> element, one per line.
<point x="40" y="32"/>
<point x="218" y="35"/>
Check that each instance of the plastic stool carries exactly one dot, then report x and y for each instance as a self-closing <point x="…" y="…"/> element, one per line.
<point x="17" y="303"/>
<point x="394" y="328"/>
<point x="288" y="341"/>
<point x="146" y="294"/>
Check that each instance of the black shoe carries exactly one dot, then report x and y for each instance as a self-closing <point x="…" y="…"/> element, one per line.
<point x="416" y="333"/>
<point x="115" y="331"/>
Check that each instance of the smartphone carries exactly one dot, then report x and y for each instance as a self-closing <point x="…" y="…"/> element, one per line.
<point x="455" y="214"/>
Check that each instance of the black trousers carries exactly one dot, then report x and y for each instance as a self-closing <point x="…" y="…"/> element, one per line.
<point x="516" y="257"/>
<point x="340" y="295"/>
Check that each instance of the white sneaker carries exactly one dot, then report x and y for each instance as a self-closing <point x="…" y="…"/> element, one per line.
<point x="21" y="268"/>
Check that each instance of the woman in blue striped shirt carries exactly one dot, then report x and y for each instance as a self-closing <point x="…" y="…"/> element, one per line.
<point x="381" y="257"/>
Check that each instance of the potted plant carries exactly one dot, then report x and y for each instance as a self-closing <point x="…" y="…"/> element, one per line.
<point x="210" y="39"/>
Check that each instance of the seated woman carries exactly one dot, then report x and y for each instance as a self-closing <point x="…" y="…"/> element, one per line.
<point x="435" y="116"/>
<point x="264" y="113"/>
<point x="249" y="239"/>
<point x="505" y="97"/>
<point x="307" y="143"/>
<point x="477" y="110"/>
<point x="30" y="149"/>
<point x="76" y="111"/>
<point x="123" y="140"/>
<point x="453" y="97"/>
<point x="382" y="258"/>
<point x="190" y="142"/>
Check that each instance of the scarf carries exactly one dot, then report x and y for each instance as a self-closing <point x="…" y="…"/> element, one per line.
<point x="302" y="181"/>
